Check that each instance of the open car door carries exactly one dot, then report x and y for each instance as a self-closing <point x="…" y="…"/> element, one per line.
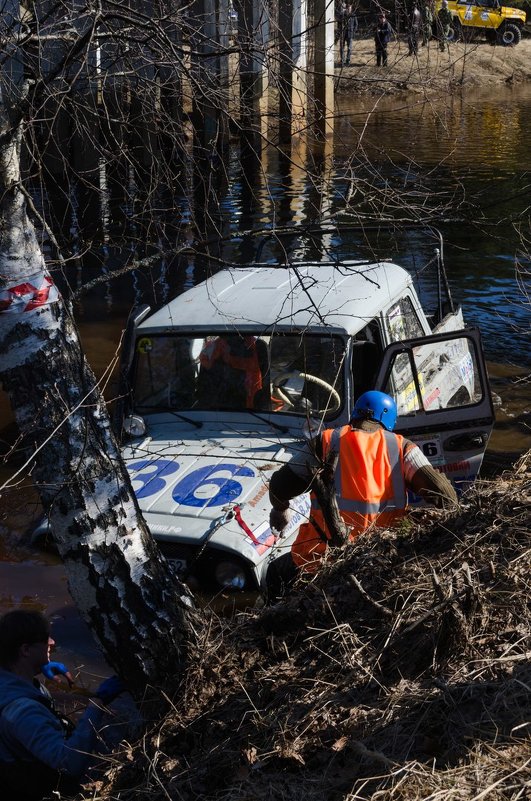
<point x="441" y="389"/>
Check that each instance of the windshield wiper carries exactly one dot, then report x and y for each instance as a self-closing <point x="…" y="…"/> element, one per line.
<point x="196" y="423"/>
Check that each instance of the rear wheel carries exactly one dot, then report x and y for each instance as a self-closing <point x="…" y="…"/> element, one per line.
<point x="455" y="33"/>
<point x="508" y="35"/>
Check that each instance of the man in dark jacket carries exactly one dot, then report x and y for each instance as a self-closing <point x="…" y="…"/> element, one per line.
<point x="382" y="35"/>
<point x="376" y="468"/>
<point x="40" y="751"/>
<point x="348" y="26"/>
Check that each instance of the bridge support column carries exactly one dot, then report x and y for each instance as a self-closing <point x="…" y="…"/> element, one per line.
<point x="293" y="83"/>
<point x="210" y="70"/>
<point x="324" y="66"/>
<point x="253" y="29"/>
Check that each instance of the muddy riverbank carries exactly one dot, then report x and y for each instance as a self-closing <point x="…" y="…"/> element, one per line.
<point x="400" y="671"/>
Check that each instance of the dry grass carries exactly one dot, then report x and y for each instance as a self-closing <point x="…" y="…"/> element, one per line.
<point x="468" y="65"/>
<point x="400" y="672"/>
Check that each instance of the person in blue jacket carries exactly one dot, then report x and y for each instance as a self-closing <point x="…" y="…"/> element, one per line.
<point x="39" y="750"/>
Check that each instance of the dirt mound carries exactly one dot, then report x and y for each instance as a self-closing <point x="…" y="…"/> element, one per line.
<point x="467" y="65"/>
<point x="401" y="671"/>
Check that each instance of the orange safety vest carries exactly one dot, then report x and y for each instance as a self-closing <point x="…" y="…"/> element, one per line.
<point x="370" y="488"/>
<point x="219" y="350"/>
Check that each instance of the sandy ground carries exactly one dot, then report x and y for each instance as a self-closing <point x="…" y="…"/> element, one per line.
<point x="461" y="66"/>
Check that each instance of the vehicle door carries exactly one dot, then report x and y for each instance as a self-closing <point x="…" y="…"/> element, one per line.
<point x="441" y="389"/>
<point x="481" y="14"/>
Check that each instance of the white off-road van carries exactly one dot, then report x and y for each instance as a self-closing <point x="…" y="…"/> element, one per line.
<point x="224" y="383"/>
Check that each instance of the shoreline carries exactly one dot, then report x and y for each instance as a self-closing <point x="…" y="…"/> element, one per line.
<point x="461" y="66"/>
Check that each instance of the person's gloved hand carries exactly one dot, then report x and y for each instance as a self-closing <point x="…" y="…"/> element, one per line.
<point x="110" y="689"/>
<point x="279" y="519"/>
<point x="54" y="670"/>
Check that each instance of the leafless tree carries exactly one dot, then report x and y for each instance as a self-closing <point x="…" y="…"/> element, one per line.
<point x="115" y="122"/>
<point x="141" y="614"/>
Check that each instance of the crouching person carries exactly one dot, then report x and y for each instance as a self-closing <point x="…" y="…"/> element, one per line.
<point x="41" y="752"/>
<point x="374" y="472"/>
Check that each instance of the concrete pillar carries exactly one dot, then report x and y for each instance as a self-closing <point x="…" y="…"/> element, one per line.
<point x="293" y="52"/>
<point x="209" y="111"/>
<point x="324" y="67"/>
<point x="12" y="56"/>
<point x="209" y="66"/>
<point x="253" y="35"/>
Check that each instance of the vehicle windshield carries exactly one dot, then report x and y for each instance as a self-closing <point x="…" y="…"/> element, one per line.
<point x="282" y="373"/>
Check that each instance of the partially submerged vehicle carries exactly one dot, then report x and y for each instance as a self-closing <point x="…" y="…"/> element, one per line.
<point x="225" y="382"/>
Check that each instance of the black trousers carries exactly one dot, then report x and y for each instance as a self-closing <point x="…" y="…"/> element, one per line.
<point x="381" y="55"/>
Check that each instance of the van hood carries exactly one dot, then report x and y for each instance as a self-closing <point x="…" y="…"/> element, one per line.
<point x="189" y="480"/>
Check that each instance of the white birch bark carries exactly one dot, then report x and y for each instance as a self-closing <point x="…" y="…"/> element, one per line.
<point x="139" y="612"/>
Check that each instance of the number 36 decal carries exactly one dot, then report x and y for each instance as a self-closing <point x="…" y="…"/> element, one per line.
<point x="207" y="485"/>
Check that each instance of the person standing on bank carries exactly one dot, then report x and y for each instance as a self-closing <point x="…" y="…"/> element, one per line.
<point x="382" y="35"/>
<point x="375" y="470"/>
<point x="341" y="8"/>
<point x="444" y="24"/>
<point x="40" y="751"/>
<point x="427" y="22"/>
<point x="348" y="27"/>
<point x="414" y="31"/>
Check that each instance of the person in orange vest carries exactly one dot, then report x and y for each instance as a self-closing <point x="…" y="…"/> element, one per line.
<point x="374" y="472"/>
<point x="230" y="374"/>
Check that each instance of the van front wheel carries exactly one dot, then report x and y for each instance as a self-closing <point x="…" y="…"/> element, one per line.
<point x="509" y="35"/>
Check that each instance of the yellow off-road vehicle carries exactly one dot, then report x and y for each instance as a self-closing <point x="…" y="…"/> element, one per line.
<point x="501" y="24"/>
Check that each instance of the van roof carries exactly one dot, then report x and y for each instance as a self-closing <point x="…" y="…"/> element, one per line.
<point x="343" y="297"/>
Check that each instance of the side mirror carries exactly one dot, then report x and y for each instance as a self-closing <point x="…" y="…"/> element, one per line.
<point x="134" y="426"/>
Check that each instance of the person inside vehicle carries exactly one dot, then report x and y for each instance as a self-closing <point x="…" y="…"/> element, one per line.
<point x="230" y="374"/>
<point x="40" y="751"/>
<point x="375" y="471"/>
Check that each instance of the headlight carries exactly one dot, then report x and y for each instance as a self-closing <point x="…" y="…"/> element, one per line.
<point x="230" y="575"/>
<point x="134" y="426"/>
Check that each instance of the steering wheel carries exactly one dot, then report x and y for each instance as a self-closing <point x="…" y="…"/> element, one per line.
<point x="312" y="379"/>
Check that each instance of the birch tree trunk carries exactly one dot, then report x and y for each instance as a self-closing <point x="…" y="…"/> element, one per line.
<point x="140" y="613"/>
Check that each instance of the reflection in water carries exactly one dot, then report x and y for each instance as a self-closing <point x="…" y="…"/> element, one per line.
<point x="478" y="131"/>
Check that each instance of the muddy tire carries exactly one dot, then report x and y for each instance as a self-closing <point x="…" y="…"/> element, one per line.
<point x="455" y="34"/>
<point x="508" y="35"/>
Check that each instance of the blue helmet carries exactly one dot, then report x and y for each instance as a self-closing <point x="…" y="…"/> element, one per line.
<point x="376" y="406"/>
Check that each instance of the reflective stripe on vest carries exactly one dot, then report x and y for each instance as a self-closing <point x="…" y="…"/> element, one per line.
<point x="370" y="468"/>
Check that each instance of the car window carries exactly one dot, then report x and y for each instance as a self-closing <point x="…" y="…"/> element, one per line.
<point x="402" y="321"/>
<point x="295" y="373"/>
<point x="435" y="376"/>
